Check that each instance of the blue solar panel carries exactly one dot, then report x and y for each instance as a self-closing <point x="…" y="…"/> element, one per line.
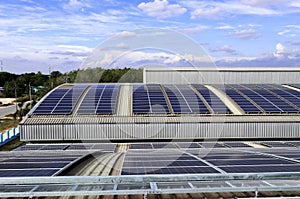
<point x="184" y="100"/>
<point x="287" y="94"/>
<point x="49" y="103"/>
<point x="60" y="101"/>
<point x="238" y="98"/>
<point x="266" y="99"/>
<point x="100" y="99"/>
<point x="107" y="102"/>
<point x="69" y="100"/>
<point x="215" y="103"/>
<point x="164" y="162"/>
<point x="149" y="99"/>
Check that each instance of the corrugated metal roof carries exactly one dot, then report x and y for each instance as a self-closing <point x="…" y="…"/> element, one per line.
<point x="140" y="119"/>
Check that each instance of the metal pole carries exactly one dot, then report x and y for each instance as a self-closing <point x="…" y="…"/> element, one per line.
<point x="16" y="96"/>
<point x="30" y="97"/>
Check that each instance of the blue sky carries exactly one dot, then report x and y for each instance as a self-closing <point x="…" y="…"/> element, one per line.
<point x="60" y="34"/>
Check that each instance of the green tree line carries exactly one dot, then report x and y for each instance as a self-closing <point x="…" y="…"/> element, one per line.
<point x="18" y="84"/>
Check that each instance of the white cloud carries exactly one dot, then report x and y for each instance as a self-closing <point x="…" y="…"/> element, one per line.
<point x="206" y="13"/>
<point x="280" y="50"/>
<point x="280" y="57"/>
<point x="75" y="5"/>
<point x="246" y="34"/>
<point x="217" y="9"/>
<point x="290" y="31"/>
<point x="126" y="34"/>
<point x="294" y="4"/>
<point x="283" y="32"/>
<point x="173" y="59"/>
<point x="225" y="27"/>
<point x="161" y="9"/>
<point x="226" y="48"/>
<point x="293" y="26"/>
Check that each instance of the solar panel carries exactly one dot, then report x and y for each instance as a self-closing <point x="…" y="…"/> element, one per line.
<point x="107" y="102"/>
<point x="27" y="173"/>
<point x="148" y="99"/>
<point x="215" y="103"/>
<point x="212" y="145"/>
<point x="32" y="165"/>
<point x="164" y="162"/>
<point x="188" y="145"/>
<point x="184" y="100"/>
<point x="141" y="146"/>
<point x="266" y="100"/>
<point x="60" y="101"/>
<point x="49" y="103"/>
<point x="280" y="103"/>
<point x="288" y="95"/>
<point x="242" y="101"/>
<point x="100" y="99"/>
<point x="236" y="144"/>
<point x="275" y="144"/>
<point x="35" y="163"/>
<point x="69" y="100"/>
<point x="261" y="168"/>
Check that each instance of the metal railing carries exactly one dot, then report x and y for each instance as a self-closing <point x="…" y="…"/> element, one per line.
<point x="9" y="135"/>
<point x="147" y="184"/>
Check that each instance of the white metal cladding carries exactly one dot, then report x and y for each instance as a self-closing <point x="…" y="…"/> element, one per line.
<point x="221" y="75"/>
<point x="132" y="131"/>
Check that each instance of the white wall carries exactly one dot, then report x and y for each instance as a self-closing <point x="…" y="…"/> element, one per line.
<point x="221" y="76"/>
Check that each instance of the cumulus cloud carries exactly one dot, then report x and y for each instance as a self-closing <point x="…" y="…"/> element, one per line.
<point x="217" y="9"/>
<point x="126" y="34"/>
<point x="280" y="57"/>
<point x="75" y="5"/>
<point x="280" y="50"/>
<point x="246" y="34"/>
<point x="161" y="9"/>
<point x="226" y="48"/>
<point x="206" y="13"/>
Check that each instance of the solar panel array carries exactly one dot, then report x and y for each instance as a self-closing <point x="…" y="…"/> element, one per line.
<point x="244" y="162"/>
<point x="201" y="160"/>
<point x="242" y="101"/>
<point x="214" y="101"/>
<point x="266" y="100"/>
<point x="29" y="163"/>
<point x="60" y="101"/>
<point x="148" y="99"/>
<point x="184" y="100"/>
<point x="289" y="95"/>
<point x="162" y="162"/>
<point x="100" y="99"/>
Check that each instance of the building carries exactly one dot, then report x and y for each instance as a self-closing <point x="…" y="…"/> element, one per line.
<point x="164" y="138"/>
